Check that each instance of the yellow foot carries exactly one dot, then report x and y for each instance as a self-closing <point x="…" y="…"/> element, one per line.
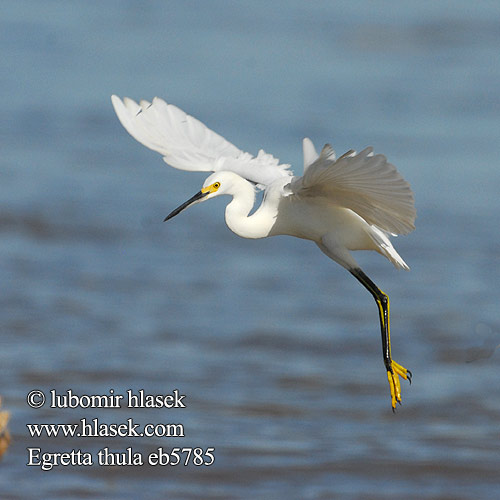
<point x="393" y="376"/>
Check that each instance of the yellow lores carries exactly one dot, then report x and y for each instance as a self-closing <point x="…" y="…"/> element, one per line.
<point x="355" y="202"/>
<point x="211" y="189"/>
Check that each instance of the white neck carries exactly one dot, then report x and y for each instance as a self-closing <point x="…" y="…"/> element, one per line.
<point x="256" y="226"/>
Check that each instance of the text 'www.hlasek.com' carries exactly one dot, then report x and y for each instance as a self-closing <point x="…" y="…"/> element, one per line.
<point x="93" y="427"/>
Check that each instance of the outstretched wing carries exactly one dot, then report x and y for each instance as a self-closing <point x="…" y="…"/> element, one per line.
<point x="188" y="144"/>
<point x="363" y="182"/>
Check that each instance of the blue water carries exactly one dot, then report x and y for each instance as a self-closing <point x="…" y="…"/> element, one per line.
<point x="276" y="348"/>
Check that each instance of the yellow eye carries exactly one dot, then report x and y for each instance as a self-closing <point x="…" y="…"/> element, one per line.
<point x="216" y="185"/>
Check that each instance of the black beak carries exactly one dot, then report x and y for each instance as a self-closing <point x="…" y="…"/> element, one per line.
<point x="196" y="197"/>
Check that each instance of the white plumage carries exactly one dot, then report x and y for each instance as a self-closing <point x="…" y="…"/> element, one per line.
<point x="351" y="203"/>
<point x="363" y="183"/>
<point x="187" y="144"/>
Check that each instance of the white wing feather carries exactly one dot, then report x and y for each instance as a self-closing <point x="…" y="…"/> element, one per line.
<point x="363" y="182"/>
<point x="188" y="144"/>
<point x="310" y="153"/>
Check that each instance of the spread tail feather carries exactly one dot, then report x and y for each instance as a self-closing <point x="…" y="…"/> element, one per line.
<point x="385" y="247"/>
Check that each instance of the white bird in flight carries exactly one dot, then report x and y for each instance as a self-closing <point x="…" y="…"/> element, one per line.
<point x="354" y="202"/>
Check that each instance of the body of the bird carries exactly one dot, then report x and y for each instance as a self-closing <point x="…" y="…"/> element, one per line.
<point x="319" y="219"/>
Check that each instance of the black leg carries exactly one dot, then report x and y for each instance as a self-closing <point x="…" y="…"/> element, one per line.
<point x="394" y="370"/>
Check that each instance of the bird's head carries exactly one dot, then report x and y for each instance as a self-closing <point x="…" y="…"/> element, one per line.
<point x="215" y="185"/>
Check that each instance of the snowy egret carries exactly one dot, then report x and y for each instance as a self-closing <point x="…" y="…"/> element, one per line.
<point x="354" y="202"/>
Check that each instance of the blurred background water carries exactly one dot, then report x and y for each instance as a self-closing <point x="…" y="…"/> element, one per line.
<point x="276" y="348"/>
